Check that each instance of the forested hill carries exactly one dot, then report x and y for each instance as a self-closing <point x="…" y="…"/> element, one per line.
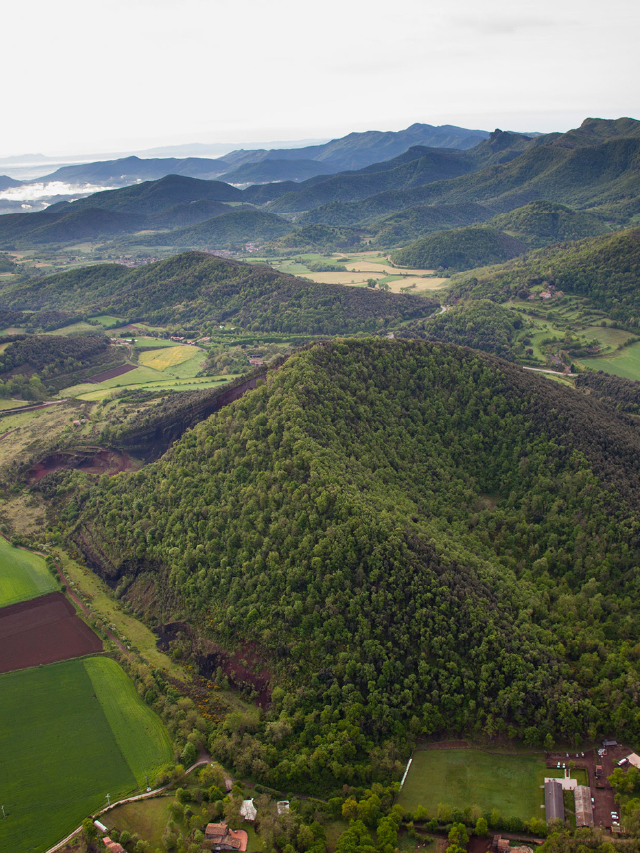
<point x="192" y="287"/>
<point x="402" y="538"/>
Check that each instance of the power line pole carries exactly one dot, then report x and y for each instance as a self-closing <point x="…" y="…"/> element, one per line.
<point x="108" y="800"/>
<point x="3" y="814"/>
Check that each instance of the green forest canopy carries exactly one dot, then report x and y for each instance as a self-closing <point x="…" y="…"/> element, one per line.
<point x="405" y="538"/>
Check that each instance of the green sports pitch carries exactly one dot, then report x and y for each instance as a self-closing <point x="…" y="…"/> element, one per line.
<point x="471" y="777"/>
<point x="70" y="733"/>
<point x="23" y="575"/>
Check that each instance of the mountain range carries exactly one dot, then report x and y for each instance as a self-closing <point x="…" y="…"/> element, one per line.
<point x="592" y="172"/>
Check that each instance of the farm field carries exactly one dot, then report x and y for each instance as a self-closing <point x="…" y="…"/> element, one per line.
<point x="42" y="631"/>
<point x="142" y="738"/>
<point x="111" y="374"/>
<point x="52" y="711"/>
<point x="167" y="357"/>
<point x="360" y="267"/>
<point x="189" y="384"/>
<point x="464" y="777"/>
<point x="23" y="575"/>
<point x="626" y="365"/>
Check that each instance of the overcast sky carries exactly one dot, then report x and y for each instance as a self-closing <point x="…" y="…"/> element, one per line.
<point x="84" y="76"/>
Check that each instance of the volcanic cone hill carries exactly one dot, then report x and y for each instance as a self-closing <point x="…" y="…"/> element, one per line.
<point x="397" y="538"/>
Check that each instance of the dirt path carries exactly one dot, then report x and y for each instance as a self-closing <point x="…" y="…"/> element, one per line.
<point x="87" y="612"/>
<point x="555" y="372"/>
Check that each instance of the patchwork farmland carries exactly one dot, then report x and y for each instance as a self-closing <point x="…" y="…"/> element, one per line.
<point x="71" y="731"/>
<point x="63" y="748"/>
<point x="41" y="631"/>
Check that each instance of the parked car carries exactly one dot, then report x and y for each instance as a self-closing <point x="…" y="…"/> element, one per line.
<point x="622" y="762"/>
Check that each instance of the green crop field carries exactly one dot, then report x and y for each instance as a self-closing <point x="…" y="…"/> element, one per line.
<point x="626" y="365"/>
<point x="142" y="738"/>
<point x="470" y="777"/>
<point x="23" y="575"/>
<point x="60" y="756"/>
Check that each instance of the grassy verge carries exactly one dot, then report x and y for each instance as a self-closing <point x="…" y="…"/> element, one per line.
<point x="126" y="626"/>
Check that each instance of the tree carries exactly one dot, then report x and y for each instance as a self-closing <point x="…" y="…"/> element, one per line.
<point x="89" y="830"/>
<point x="387" y="835"/>
<point x="631" y="817"/>
<point x="458" y="834"/>
<point x="189" y="755"/>
<point x="482" y="828"/>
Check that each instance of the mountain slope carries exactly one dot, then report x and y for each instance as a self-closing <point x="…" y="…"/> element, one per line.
<point x="399" y="537"/>
<point x="426" y="165"/>
<point x="604" y="269"/>
<point x="275" y="170"/>
<point x="228" y="229"/>
<point x="604" y="178"/>
<point x="192" y="287"/>
<point x="65" y="225"/>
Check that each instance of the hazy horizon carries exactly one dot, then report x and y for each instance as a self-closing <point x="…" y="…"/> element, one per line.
<point x="150" y="73"/>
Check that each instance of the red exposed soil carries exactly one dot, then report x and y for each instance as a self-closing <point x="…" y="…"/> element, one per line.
<point x="98" y="462"/>
<point x="43" y="630"/>
<point x="111" y="374"/>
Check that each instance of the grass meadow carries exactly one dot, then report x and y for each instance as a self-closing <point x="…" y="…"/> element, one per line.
<point x="626" y="365"/>
<point x="23" y="575"/>
<point x="470" y="777"/>
<point x="60" y="756"/>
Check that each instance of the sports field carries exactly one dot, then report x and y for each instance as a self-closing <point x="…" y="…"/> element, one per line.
<point x="470" y="777"/>
<point x="60" y="756"/>
<point x="23" y="575"/>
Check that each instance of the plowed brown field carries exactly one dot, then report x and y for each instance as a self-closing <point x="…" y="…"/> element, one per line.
<point x="43" y="630"/>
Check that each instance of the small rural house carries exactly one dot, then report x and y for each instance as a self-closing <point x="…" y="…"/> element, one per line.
<point x="112" y="846"/>
<point x="282" y="806"/>
<point x="247" y="810"/>
<point x="218" y="836"/>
